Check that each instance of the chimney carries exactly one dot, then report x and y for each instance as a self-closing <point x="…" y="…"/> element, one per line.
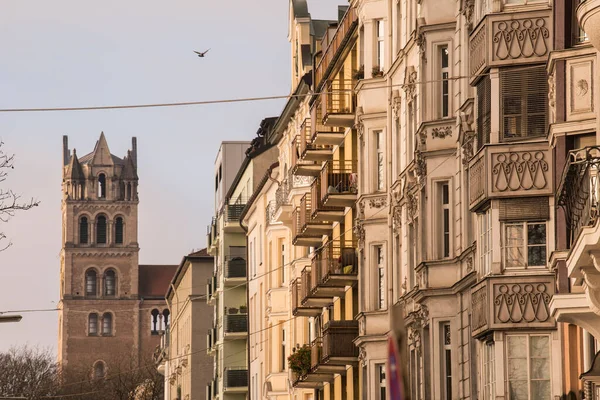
<point x="134" y="151"/>
<point x="65" y="150"/>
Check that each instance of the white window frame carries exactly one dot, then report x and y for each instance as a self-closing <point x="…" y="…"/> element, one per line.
<point x="379" y="154"/>
<point x="524" y="246"/>
<point x="379" y="258"/>
<point x="380" y="44"/>
<point x="380" y="381"/>
<point x="528" y="357"/>
<point x="488" y="370"/>
<point x="446" y="346"/>
<point x="443" y="75"/>
<point x="444" y="226"/>
<point x="484" y="242"/>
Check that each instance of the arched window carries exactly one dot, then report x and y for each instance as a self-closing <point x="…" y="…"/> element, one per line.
<point x="90" y="283"/>
<point x="101" y="229"/>
<point x="128" y="191"/>
<point x="119" y="230"/>
<point x="166" y="314"/>
<point x="93" y="324"/>
<point x="99" y="370"/>
<point x="107" y="324"/>
<point x="101" y="186"/>
<point x="110" y="280"/>
<point x="154" y="322"/>
<point x="83" y="230"/>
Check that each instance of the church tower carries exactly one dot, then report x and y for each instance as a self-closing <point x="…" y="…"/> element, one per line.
<point x="102" y="319"/>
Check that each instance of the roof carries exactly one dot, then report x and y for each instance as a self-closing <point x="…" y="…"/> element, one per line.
<point x="74" y="170"/>
<point x="300" y="8"/>
<point x="180" y="269"/>
<point x="319" y="27"/>
<point x="100" y="144"/>
<point x="154" y="280"/>
<point x="200" y="253"/>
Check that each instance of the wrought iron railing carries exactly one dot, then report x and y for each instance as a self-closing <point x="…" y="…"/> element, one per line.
<point x="305" y="210"/>
<point x="338" y="340"/>
<point x="281" y="195"/>
<point x="337" y="98"/>
<point x="339" y="177"/>
<point x="270" y="212"/>
<point x="578" y="193"/>
<point x="236" y="323"/>
<point x="235" y="377"/>
<point x="335" y="258"/>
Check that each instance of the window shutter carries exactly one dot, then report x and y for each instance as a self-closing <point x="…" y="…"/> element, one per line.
<point x="524" y="103"/>
<point x="524" y="209"/>
<point x="484" y="110"/>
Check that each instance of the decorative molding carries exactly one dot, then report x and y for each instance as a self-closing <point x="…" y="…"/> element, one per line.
<point x="378" y="202"/>
<point x="411" y="205"/>
<point x="421" y="42"/>
<point x="410" y="85"/>
<point x="477" y="50"/>
<point x="470" y="264"/>
<point x="397" y="212"/>
<point x="467" y="9"/>
<point x="467" y="148"/>
<point x="520" y="38"/>
<point x="362" y="356"/>
<point x="420" y="166"/>
<point x="551" y="96"/>
<point x="359" y="232"/>
<point x="479" y="308"/>
<point x="396" y="107"/>
<point x="423" y="137"/>
<point x="523" y="170"/>
<point x="441" y="132"/>
<point x="477" y="180"/>
<point x="528" y="302"/>
<point x="301" y="181"/>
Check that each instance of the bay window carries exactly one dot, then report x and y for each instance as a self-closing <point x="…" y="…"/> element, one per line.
<point x="485" y="242"/>
<point x="528" y="366"/>
<point x="524" y="245"/>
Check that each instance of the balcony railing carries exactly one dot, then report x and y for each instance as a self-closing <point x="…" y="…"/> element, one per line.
<point x="310" y="151"/>
<point x="320" y="211"/>
<point x="270" y="212"/>
<point x="333" y="48"/>
<point x="339" y="183"/>
<point x="338" y="341"/>
<point x="578" y="193"/>
<point x="235" y="378"/>
<point x="335" y="265"/>
<point x="282" y="194"/>
<point x="236" y="323"/>
<point x="321" y="133"/>
<point x="337" y="99"/>
<point x="234" y="211"/>
<point x="211" y="340"/>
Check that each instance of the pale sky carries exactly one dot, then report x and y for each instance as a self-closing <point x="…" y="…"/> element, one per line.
<point x="80" y="53"/>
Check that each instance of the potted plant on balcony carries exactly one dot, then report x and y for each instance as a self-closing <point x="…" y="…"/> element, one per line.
<point x="299" y="361"/>
<point x="244" y="309"/>
<point x="377" y="71"/>
<point x="359" y="73"/>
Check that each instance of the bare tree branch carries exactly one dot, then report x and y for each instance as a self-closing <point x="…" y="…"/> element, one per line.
<point x="29" y="372"/>
<point x="10" y="202"/>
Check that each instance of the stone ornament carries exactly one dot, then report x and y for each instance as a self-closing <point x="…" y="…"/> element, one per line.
<point x="410" y="79"/>
<point x="551" y="96"/>
<point x="378" y="202"/>
<point x="421" y="42"/>
<point x="524" y="170"/>
<point x="467" y="9"/>
<point x="441" y="132"/>
<point x="520" y="38"/>
<point x="522" y="303"/>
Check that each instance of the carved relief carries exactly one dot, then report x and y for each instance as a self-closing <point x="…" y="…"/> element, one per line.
<point x="397" y="212"/>
<point x="301" y="181"/>
<point x="476" y="180"/>
<point x="410" y="79"/>
<point x="479" y="306"/>
<point x="469" y="264"/>
<point x="525" y="170"/>
<point x="477" y="49"/>
<point x="551" y="96"/>
<point x="522" y="303"/>
<point x="411" y="205"/>
<point x="422" y="137"/>
<point x="467" y="9"/>
<point x="362" y="356"/>
<point x="421" y="41"/>
<point x="396" y="105"/>
<point x="581" y="99"/>
<point x="359" y="232"/>
<point x="441" y="132"/>
<point x="420" y="166"/>
<point x="378" y="202"/>
<point x="467" y="148"/>
<point x="528" y="37"/>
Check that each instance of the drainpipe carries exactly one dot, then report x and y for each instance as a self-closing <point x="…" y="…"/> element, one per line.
<point x="390" y="122"/>
<point x="245" y="229"/>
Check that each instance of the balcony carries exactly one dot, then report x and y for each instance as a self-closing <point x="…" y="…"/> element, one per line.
<point x="231" y="217"/>
<point x="235" y="268"/>
<point x="506" y="171"/>
<point x="308" y="297"/>
<point x="212" y="287"/>
<point x="338" y="103"/>
<point x="235" y="326"/>
<point x="321" y="134"/>
<point x="579" y="195"/>
<point x="588" y="14"/>
<point x="235" y="380"/>
<point x="310" y="151"/>
<point x="305" y="231"/>
<point x="333" y="268"/>
<point x="508" y="39"/>
<point x="211" y="341"/>
<point x="330" y="354"/>
<point x="339" y="183"/>
<point x="300" y="166"/>
<point x="299" y="290"/>
<point x="334" y="46"/>
<point x="320" y="211"/>
<point x="512" y="302"/>
<point x="212" y="236"/>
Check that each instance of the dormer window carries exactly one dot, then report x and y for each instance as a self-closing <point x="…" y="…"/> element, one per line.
<point x="101" y="186"/>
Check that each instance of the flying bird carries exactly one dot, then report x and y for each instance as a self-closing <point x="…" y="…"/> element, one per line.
<point x="201" y="54"/>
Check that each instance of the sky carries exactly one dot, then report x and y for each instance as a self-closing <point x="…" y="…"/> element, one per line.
<point x="65" y="53"/>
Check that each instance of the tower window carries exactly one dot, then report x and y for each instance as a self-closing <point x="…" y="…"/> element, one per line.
<point x="83" y="230"/>
<point x="101" y="229"/>
<point x="107" y="324"/>
<point x="109" y="283"/>
<point x="119" y="230"/>
<point x="90" y="283"/>
<point x="101" y="186"/>
<point x="166" y="314"/>
<point x="93" y="324"/>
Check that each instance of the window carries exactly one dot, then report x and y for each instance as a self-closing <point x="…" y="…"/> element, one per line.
<point x="380" y="277"/>
<point x="447" y="360"/>
<point x="154" y="322"/>
<point x="83" y="230"/>
<point x="165" y="319"/>
<point x="283" y="358"/>
<point x="524" y="245"/>
<point x="379" y="149"/>
<point x="119" y="230"/>
<point x="99" y="370"/>
<point x="380" y="62"/>
<point x="579" y="35"/>
<point x="283" y="266"/>
<point x="415" y="375"/>
<point x="93" y="324"/>
<point x="528" y="367"/>
<point x="524" y="103"/>
<point x="412" y="256"/>
<point x="484" y="111"/>
<point x="398" y="30"/>
<point x="489" y="371"/>
<point x="444" y="88"/>
<point x="101" y="186"/>
<point x="485" y="242"/>
<point x="444" y="215"/>
<point x="109" y="283"/>
<point x="107" y="324"/>
<point x="410" y="132"/>
<point x="381" y="383"/>
<point x="90" y="283"/>
<point x="101" y="229"/>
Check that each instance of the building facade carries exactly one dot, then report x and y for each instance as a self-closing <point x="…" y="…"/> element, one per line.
<point x="183" y="358"/>
<point x="111" y="309"/>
